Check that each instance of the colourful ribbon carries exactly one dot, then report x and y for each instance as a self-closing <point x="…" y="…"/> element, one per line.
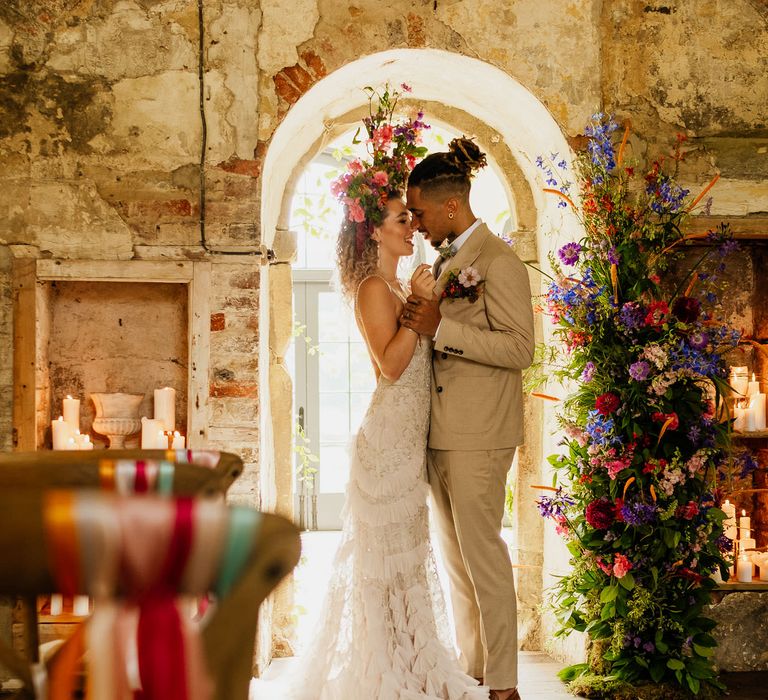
<point x="243" y="524"/>
<point x="162" y="657"/>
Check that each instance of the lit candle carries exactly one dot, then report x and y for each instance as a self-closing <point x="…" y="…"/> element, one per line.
<point x="750" y="419"/>
<point x="57" y="604"/>
<point x="60" y="432"/>
<point x="747" y="543"/>
<point x="729" y="524"/>
<point x="165" y="407"/>
<point x="745" y="523"/>
<point x="178" y="442"/>
<point x="71" y="444"/>
<point x="72" y="412"/>
<point x="753" y="387"/>
<point x="744" y="569"/>
<point x="162" y="441"/>
<point x="762" y="563"/>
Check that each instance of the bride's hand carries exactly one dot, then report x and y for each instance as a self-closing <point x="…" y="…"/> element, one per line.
<point x="422" y="282"/>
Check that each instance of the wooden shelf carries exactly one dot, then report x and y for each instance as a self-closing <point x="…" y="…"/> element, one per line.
<point x="755" y="585"/>
<point x="753" y="435"/>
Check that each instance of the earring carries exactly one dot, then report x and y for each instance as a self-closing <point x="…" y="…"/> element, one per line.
<point x="450" y="214"/>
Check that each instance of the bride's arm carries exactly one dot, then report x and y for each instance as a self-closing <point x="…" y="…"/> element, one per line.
<point x="391" y="345"/>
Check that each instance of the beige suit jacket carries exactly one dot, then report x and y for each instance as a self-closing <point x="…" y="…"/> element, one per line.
<point x="480" y="351"/>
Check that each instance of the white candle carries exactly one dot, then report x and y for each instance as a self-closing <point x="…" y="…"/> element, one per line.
<point x="72" y="412"/>
<point x="747" y="543"/>
<point x="178" y="442"/>
<point x="86" y="443"/>
<point x="81" y="605"/>
<point x="162" y="441"/>
<point x="165" y="407"/>
<point x="730" y="510"/>
<point x="60" y="432"/>
<point x="744" y="569"/>
<point x="716" y="576"/>
<point x="753" y="387"/>
<point x="740" y="414"/>
<point x="57" y="604"/>
<point x="149" y="434"/>
<point x="750" y="417"/>
<point x="762" y="562"/>
<point x="745" y="522"/>
<point x="757" y="406"/>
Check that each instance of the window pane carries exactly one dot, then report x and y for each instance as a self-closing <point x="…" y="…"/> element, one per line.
<point x="333" y="360"/>
<point x="333" y="317"/>
<point x="361" y="375"/>
<point x="334" y="417"/>
<point x="358" y="405"/>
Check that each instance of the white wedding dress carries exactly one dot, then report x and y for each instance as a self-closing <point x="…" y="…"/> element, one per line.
<point x="383" y="633"/>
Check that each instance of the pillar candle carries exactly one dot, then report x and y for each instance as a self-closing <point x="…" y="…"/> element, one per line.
<point x="740" y="414"/>
<point x="757" y="406"/>
<point x="57" y="604"/>
<point x="178" y="442"/>
<point x="739" y="380"/>
<point x="72" y="412"/>
<point x="745" y="523"/>
<point x="163" y="440"/>
<point x="744" y="569"/>
<point x="729" y="524"/>
<point x="165" y="407"/>
<point x="753" y="387"/>
<point x="762" y="563"/>
<point x="60" y="432"/>
<point x="747" y="543"/>
<point x="81" y="605"/>
<point x="149" y="431"/>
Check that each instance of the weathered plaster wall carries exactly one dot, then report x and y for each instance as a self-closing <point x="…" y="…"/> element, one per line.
<point x="101" y="134"/>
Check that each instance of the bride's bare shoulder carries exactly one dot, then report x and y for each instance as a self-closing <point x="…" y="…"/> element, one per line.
<point x="372" y="288"/>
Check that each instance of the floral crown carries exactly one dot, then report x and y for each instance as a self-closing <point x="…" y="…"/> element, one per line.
<point x="393" y="149"/>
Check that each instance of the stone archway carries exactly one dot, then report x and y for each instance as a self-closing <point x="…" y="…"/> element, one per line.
<point x="516" y="128"/>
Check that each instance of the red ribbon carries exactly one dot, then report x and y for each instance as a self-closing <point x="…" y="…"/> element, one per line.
<point x="141" y="484"/>
<point x="160" y="637"/>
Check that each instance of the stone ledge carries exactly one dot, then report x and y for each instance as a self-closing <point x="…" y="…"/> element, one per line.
<point x="742" y="630"/>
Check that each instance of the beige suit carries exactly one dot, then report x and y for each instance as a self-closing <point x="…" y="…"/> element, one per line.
<point x="480" y="351"/>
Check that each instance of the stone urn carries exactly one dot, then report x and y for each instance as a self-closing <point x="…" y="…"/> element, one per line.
<point x="117" y="417"/>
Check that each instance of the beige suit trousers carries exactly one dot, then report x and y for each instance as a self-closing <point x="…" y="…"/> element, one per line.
<point x="468" y="489"/>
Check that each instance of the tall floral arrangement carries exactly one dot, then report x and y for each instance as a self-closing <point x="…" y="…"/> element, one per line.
<point x="636" y="495"/>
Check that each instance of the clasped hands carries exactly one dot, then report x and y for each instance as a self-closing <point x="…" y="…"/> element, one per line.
<point x="421" y="313"/>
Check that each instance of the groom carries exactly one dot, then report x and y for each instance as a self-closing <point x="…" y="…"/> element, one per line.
<point x="482" y="325"/>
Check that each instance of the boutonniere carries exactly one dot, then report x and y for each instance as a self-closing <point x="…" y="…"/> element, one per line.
<point x="464" y="284"/>
<point x="447" y="251"/>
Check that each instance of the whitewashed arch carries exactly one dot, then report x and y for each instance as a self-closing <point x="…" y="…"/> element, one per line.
<point x="487" y="93"/>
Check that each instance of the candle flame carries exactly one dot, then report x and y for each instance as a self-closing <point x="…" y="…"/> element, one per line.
<point x="60" y="418"/>
<point x="743" y="513"/>
<point x="753" y="376"/>
<point x="69" y="397"/>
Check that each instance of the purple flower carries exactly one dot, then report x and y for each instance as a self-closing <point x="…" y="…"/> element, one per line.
<point x="588" y="372"/>
<point x="613" y="256"/>
<point x="649" y="647"/>
<point x="638" y="513"/>
<point x="555" y="506"/>
<point x="639" y="370"/>
<point x="698" y="340"/>
<point x="632" y="315"/>
<point x="569" y="253"/>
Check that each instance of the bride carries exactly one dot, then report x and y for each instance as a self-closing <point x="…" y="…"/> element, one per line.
<point x="383" y="633"/>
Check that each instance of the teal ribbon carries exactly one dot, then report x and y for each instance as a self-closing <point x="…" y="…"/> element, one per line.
<point x="165" y="474"/>
<point x="241" y="534"/>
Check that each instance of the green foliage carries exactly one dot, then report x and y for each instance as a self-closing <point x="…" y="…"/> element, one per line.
<point x="643" y="440"/>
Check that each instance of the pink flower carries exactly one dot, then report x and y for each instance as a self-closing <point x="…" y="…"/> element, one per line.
<point x="356" y="212"/>
<point x="382" y="137"/>
<point x="355" y="167"/>
<point x="469" y="277"/>
<point x="621" y="566"/>
<point x="605" y="568"/>
<point x="406" y="87"/>
<point x="380" y="178"/>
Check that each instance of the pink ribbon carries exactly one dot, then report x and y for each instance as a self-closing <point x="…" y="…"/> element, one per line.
<point x="161" y="637"/>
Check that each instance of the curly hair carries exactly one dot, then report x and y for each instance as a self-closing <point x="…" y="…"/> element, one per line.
<point x="357" y="255"/>
<point x="449" y="172"/>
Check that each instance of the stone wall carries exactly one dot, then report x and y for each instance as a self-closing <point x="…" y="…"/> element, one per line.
<point x="102" y="137"/>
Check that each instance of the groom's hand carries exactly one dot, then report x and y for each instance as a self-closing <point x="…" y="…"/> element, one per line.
<point x="421" y="315"/>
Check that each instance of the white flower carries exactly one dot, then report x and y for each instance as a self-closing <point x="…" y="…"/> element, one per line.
<point x="469" y="277"/>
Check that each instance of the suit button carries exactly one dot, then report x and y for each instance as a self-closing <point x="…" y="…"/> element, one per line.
<point x="439" y="390"/>
<point x="445" y="347"/>
<point x="444" y="355"/>
<point x="461" y="352"/>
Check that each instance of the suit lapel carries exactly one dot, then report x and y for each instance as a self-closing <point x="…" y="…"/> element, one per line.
<point x="467" y="254"/>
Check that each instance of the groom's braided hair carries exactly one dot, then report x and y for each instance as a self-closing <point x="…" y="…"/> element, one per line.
<point x="449" y="172"/>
